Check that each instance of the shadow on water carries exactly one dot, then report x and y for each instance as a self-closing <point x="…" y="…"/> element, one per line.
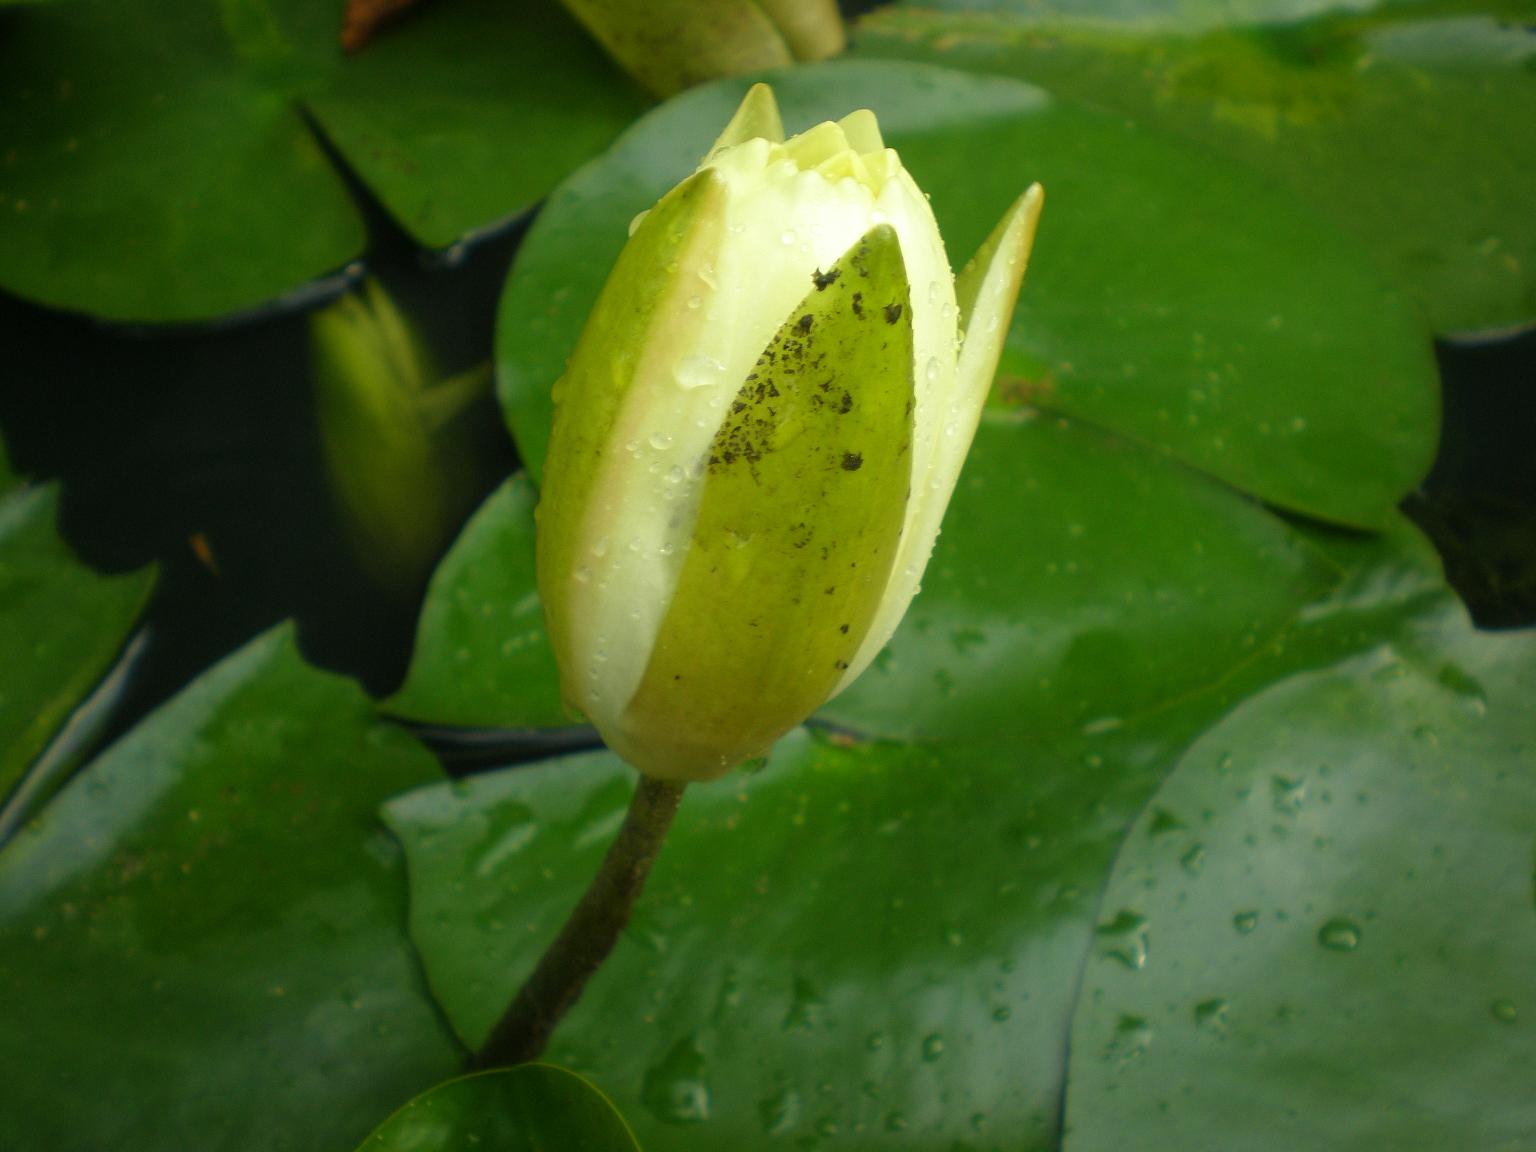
<point x="196" y="449"/>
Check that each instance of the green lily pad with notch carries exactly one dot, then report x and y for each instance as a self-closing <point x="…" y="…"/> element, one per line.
<point x="61" y="625"/>
<point x="1171" y="298"/>
<point x="1330" y="900"/>
<point x="132" y="136"/>
<point x="1417" y="134"/>
<point x="202" y="937"/>
<point x="482" y="657"/>
<point x="530" y="1108"/>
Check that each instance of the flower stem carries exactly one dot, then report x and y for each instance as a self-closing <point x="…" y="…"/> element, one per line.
<point x="591" y="932"/>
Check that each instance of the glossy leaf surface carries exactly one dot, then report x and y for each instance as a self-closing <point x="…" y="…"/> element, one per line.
<point x="1079" y="581"/>
<point x="789" y="973"/>
<point x="1255" y="344"/>
<point x="61" y="625"/>
<point x="202" y="939"/>
<point x="482" y="657"/>
<point x="134" y="134"/>
<point x="530" y="1108"/>
<point x="1319" y="934"/>
<point x="1415" y="133"/>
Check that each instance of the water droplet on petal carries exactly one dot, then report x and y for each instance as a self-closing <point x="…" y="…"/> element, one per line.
<point x="698" y="372"/>
<point x="661" y="440"/>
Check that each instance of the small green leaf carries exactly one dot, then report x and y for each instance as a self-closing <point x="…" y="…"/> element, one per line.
<point x="61" y="626"/>
<point x="530" y="1108"/>
<point x="482" y="657"/>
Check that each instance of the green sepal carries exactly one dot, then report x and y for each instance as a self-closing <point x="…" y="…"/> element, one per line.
<point x="756" y="116"/>
<point x="1010" y="240"/>
<point x="632" y="333"/>
<point x="802" y="507"/>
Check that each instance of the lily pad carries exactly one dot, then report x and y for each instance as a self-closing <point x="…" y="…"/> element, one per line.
<point x="202" y="938"/>
<point x="788" y="973"/>
<point x="1331" y="903"/>
<point x="531" y="1108"/>
<point x="1079" y="581"/>
<point x="1107" y="578"/>
<point x="916" y="1003"/>
<point x="61" y="625"/>
<point x="482" y="657"/>
<point x="1171" y="298"/>
<point x="1415" y="133"/>
<point x="133" y="135"/>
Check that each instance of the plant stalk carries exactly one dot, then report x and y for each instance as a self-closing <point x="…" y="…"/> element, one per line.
<point x="589" y="935"/>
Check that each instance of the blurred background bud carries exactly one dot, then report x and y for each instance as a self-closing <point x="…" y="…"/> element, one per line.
<point x="398" y="452"/>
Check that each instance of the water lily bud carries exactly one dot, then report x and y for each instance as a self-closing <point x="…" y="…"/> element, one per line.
<point x="756" y="438"/>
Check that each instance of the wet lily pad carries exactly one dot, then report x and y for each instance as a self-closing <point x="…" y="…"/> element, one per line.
<point x="1171" y="298"/>
<point x="1331" y="897"/>
<point x="201" y="938"/>
<point x="531" y="1108"/>
<point x="482" y="657"/>
<point x="788" y="972"/>
<point x="133" y="135"/>
<point x="1079" y="581"/>
<point x="61" y="624"/>
<point x="1415" y="133"/>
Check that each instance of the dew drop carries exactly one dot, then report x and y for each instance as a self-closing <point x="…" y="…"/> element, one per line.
<point x="780" y="1112"/>
<point x="1125" y="940"/>
<point x="931" y="373"/>
<point x="1133" y="1036"/>
<point x="1193" y="861"/>
<point x="787" y="237"/>
<point x="1340" y="934"/>
<point x="933" y="1048"/>
<point x="661" y="440"/>
<point x="582" y="574"/>
<point x="695" y="302"/>
<point x="675" y="1090"/>
<point x="1211" y="1016"/>
<point x="600" y="549"/>
<point x="1504" y="1011"/>
<point x="1245" y="922"/>
<point x="698" y="372"/>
